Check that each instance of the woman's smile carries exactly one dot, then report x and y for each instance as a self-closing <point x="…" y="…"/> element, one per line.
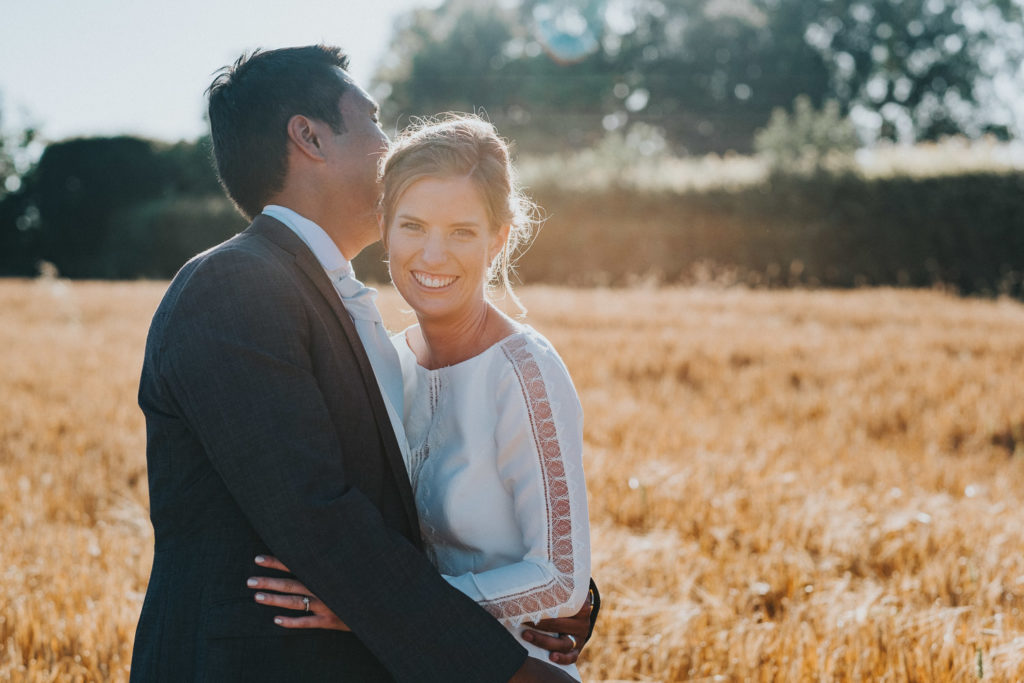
<point x="431" y="281"/>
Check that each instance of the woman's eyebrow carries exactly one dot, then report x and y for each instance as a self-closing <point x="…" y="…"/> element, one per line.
<point x="458" y="224"/>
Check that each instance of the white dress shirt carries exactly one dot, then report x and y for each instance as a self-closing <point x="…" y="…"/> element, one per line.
<point x="385" y="364"/>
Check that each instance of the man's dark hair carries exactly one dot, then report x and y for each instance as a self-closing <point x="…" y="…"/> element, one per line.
<point x="250" y="105"/>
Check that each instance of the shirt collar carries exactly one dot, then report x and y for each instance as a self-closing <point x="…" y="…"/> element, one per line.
<point x="318" y="241"/>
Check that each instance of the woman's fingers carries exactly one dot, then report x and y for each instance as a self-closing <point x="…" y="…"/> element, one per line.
<point x="292" y="595"/>
<point x="319" y="616"/>
<point x="271" y="562"/>
<point x="323" y="621"/>
<point x="279" y="585"/>
<point x="293" y="602"/>
<point x="314" y="621"/>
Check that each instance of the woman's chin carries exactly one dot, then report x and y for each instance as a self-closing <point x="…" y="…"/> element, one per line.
<point x="425" y="303"/>
<point x="433" y="299"/>
<point x="438" y="313"/>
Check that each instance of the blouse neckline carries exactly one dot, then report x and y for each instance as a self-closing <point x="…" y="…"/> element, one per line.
<point x="521" y="329"/>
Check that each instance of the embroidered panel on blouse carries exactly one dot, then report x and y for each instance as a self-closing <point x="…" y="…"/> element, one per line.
<point x="418" y="454"/>
<point x="559" y="588"/>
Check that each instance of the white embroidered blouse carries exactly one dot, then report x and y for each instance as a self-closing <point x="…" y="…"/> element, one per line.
<point x="495" y="460"/>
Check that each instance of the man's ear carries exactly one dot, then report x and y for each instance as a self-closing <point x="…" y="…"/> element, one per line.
<point x="302" y="131"/>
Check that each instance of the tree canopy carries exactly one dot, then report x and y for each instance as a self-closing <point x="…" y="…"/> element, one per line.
<point x="94" y="207"/>
<point x="559" y="73"/>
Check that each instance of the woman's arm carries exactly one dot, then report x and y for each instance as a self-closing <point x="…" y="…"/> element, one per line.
<point x="539" y="439"/>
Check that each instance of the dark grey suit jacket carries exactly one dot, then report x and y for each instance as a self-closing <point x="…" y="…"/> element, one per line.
<point x="267" y="433"/>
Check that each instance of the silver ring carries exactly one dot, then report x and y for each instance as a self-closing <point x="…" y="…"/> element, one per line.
<point x="572" y="639"/>
<point x="305" y="601"/>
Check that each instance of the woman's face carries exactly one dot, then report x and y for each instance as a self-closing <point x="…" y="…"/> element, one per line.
<point x="440" y="245"/>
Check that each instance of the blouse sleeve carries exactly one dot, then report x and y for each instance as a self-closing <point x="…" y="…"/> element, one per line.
<point x="539" y="438"/>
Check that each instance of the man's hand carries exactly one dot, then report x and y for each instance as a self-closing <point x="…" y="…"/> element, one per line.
<point x="573" y="633"/>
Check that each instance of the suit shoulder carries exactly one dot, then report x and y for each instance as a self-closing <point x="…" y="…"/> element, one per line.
<point x="246" y="261"/>
<point x="244" y="249"/>
<point x="245" y="274"/>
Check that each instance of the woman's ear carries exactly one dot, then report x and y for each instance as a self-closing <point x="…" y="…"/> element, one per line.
<point x="302" y="131"/>
<point x="498" y="241"/>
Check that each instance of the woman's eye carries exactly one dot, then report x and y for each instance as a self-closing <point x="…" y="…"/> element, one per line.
<point x="411" y="226"/>
<point x="464" y="232"/>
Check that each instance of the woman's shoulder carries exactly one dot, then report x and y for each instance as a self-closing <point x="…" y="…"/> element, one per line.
<point x="531" y="357"/>
<point x="400" y="340"/>
<point x="406" y="358"/>
<point x="534" y="387"/>
<point x="527" y="342"/>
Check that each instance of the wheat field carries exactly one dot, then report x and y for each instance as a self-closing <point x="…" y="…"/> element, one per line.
<point x="784" y="485"/>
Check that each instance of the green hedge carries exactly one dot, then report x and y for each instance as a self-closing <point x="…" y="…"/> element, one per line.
<point x="966" y="231"/>
<point x="839" y="231"/>
<point x="154" y="239"/>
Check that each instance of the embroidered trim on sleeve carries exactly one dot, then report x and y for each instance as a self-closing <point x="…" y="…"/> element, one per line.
<point x="559" y="588"/>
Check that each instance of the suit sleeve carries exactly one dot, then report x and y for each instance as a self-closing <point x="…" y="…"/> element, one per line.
<point x="236" y="359"/>
<point x="540" y="460"/>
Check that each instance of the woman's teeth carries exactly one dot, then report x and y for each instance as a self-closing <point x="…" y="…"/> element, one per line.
<point x="434" y="281"/>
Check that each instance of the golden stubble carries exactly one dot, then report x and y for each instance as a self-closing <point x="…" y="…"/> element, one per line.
<point x="784" y="486"/>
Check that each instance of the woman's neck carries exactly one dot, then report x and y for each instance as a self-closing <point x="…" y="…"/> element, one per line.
<point x="450" y="341"/>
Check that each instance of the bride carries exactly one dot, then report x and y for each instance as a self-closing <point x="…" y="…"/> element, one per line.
<point x="493" y="423"/>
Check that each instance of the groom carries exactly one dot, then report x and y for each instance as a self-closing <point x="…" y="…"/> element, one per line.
<point x="267" y="431"/>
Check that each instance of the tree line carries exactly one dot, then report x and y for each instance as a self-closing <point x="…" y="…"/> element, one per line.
<point x="114" y="208"/>
<point x="789" y="78"/>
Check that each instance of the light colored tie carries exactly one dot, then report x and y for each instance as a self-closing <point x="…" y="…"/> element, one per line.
<point x="360" y="302"/>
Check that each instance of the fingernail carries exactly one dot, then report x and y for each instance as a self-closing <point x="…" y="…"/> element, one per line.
<point x="260" y="597"/>
<point x="528" y="637"/>
<point x="278" y="621"/>
<point x="260" y="559"/>
<point x="252" y="583"/>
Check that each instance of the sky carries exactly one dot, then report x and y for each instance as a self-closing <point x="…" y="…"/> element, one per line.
<point x="108" y="67"/>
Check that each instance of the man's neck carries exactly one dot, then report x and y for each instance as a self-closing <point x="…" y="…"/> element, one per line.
<point x="340" y="231"/>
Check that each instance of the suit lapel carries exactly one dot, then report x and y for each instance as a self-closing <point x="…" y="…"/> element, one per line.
<point x="282" y="236"/>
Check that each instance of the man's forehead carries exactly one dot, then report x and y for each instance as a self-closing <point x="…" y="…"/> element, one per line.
<point x="354" y="92"/>
<point x="345" y="76"/>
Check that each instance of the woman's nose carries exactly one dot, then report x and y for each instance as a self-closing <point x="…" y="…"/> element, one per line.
<point x="433" y="250"/>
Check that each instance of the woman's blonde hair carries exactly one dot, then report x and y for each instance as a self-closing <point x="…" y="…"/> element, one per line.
<point x="462" y="146"/>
